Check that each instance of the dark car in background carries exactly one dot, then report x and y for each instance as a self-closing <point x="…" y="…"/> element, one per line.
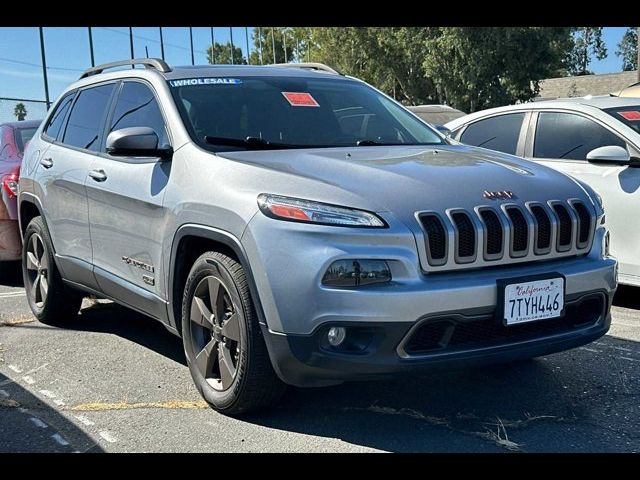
<point x="14" y="136"/>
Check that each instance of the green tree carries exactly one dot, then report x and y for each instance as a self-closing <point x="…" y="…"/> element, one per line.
<point x="291" y="45"/>
<point x="220" y="53"/>
<point x="587" y="43"/>
<point x="390" y="58"/>
<point x="20" y="111"/>
<point x="474" y="68"/>
<point x="628" y="49"/>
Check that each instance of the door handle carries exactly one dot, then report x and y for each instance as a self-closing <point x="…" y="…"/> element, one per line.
<point x="98" y="175"/>
<point x="46" y="162"/>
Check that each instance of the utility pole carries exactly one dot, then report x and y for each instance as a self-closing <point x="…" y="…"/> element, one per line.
<point x="161" y="44"/>
<point x="231" y="39"/>
<point x="273" y="44"/>
<point x="131" y="44"/>
<point x="246" y="37"/>
<point x="212" y="60"/>
<point x="193" y="60"/>
<point x="260" y="38"/>
<point x="93" y="62"/>
<point x="44" y="68"/>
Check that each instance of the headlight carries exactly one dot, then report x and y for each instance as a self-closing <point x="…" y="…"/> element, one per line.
<point x="298" y="210"/>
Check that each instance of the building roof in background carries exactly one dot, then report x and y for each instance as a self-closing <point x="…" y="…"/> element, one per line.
<point x="583" y="85"/>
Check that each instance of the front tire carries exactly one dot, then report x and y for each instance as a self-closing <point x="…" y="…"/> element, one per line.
<point x="49" y="299"/>
<point x="225" y="351"/>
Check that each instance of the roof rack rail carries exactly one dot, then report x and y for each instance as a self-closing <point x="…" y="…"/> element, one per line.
<point x="154" y="63"/>
<point x="321" y="67"/>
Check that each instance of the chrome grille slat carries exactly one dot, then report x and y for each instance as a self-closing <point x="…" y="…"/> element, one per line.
<point x="499" y="234"/>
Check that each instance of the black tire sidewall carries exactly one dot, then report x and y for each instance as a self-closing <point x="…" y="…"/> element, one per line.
<point x="202" y="268"/>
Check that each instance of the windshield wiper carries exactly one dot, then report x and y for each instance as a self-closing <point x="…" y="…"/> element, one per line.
<point x="373" y="143"/>
<point x="252" y="143"/>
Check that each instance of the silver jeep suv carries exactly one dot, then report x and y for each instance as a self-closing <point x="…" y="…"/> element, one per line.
<point x="297" y="226"/>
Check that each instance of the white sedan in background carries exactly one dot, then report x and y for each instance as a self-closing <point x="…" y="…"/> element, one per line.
<point x="594" y="139"/>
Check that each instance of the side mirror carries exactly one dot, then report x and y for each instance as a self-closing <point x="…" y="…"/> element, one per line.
<point x="443" y="130"/>
<point x="611" y="154"/>
<point x="136" y="142"/>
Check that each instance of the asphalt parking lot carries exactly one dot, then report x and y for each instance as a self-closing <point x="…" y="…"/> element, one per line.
<point x="114" y="381"/>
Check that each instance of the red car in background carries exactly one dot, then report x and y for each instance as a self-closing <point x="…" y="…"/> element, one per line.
<point x="14" y="136"/>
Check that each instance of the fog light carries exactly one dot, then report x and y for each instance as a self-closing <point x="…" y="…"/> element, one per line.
<point x="336" y="336"/>
<point x="356" y="272"/>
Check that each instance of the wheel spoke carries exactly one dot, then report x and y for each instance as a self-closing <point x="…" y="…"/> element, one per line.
<point x="32" y="261"/>
<point x="200" y="314"/>
<point x="34" y="246"/>
<point x="207" y="356"/>
<point x="44" y="261"/>
<point x="213" y="284"/>
<point x="227" y="370"/>
<point x="36" y="289"/>
<point x="231" y="327"/>
<point x="44" y="287"/>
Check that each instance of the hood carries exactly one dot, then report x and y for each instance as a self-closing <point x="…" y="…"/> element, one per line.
<point x="404" y="180"/>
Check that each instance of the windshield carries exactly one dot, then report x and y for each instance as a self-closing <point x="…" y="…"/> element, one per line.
<point x="23" y="135"/>
<point x="225" y="114"/>
<point x="629" y="115"/>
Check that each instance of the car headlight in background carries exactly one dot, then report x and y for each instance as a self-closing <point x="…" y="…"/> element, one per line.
<point x="299" y="210"/>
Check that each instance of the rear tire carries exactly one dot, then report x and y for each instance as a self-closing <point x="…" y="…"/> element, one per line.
<point x="50" y="300"/>
<point x="225" y="350"/>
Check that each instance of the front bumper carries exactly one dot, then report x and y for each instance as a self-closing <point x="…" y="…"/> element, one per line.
<point x="297" y="309"/>
<point x="308" y="361"/>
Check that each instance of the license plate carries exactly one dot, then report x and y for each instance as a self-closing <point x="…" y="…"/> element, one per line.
<point x="533" y="300"/>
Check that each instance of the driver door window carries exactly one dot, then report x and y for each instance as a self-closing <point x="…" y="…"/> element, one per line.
<point x="137" y="107"/>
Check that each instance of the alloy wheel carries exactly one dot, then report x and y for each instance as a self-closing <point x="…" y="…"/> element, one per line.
<point x="37" y="270"/>
<point x="215" y="333"/>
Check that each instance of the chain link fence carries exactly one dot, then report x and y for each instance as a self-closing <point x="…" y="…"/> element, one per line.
<point x="14" y="109"/>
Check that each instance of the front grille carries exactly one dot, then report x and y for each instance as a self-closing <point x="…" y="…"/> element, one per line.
<point x="584" y="223"/>
<point x="466" y="234"/>
<point x="566" y="228"/>
<point x="436" y="237"/>
<point x="548" y="228"/>
<point x="543" y="238"/>
<point x="459" y="333"/>
<point x="493" y="232"/>
<point x="520" y="236"/>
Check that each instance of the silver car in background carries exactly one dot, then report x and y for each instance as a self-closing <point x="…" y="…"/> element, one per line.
<point x="594" y="139"/>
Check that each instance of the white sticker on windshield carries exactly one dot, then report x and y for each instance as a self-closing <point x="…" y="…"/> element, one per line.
<point x="205" y="81"/>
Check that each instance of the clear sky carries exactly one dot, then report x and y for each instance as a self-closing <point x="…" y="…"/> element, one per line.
<point x="67" y="55"/>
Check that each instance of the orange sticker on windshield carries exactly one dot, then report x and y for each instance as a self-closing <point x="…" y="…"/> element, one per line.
<point x="300" y="99"/>
<point x="630" y="115"/>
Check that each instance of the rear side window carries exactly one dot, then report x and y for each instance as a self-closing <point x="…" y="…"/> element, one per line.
<point x="84" y="127"/>
<point x="137" y="107"/>
<point x="497" y="133"/>
<point x="57" y="118"/>
<point x="569" y="136"/>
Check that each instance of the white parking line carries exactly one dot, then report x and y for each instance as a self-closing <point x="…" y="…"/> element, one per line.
<point x="60" y="439"/>
<point x="15" y="369"/>
<point x="108" y="436"/>
<point x="12" y="294"/>
<point x="38" y="423"/>
<point x="84" y="420"/>
<point x="28" y="380"/>
<point x="59" y="402"/>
